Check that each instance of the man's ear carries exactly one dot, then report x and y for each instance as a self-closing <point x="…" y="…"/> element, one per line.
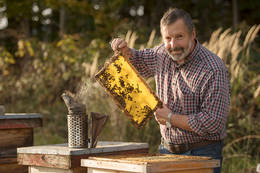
<point x="193" y="33"/>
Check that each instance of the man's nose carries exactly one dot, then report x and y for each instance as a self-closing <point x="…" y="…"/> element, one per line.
<point x="172" y="43"/>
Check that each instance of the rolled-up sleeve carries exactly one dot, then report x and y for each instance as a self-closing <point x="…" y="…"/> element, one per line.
<point x="215" y="96"/>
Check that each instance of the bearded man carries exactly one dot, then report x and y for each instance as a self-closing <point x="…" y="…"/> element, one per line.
<point x="192" y="82"/>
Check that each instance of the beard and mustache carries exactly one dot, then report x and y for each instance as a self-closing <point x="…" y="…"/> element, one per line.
<point x="184" y="52"/>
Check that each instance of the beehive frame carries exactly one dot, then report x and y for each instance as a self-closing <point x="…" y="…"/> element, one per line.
<point x="128" y="89"/>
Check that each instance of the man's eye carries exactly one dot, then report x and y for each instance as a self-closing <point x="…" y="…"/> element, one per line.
<point x="179" y="37"/>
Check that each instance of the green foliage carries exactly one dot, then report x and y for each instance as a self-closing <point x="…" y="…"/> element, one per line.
<point x="6" y="59"/>
<point x="35" y="79"/>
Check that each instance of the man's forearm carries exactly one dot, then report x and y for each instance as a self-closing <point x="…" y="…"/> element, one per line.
<point x="180" y="121"/>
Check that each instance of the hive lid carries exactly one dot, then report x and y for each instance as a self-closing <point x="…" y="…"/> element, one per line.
<point x="128" y="89"/>
<point x="149" y="158"/>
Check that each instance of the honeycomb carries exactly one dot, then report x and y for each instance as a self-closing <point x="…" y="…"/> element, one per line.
<point x="128" y="89"/>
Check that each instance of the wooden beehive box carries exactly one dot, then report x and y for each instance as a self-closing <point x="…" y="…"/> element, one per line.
<point x="128" y="89"/>
<point x="60" y="158"/>
<point x="150" y="163"/>
<point x="16" y="130"/>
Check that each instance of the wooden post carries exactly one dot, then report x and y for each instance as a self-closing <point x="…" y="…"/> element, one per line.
<point x="16" y="130"/>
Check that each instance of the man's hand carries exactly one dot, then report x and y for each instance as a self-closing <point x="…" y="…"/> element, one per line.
<point x="161" y="115"/>
<point x="180" y="121"/>
<point x="120" y="45"/>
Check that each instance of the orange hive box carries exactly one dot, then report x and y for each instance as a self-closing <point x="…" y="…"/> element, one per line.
<point x="128" y="89"/>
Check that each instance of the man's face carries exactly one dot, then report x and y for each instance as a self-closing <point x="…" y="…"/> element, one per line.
<point x="177" y="40"/>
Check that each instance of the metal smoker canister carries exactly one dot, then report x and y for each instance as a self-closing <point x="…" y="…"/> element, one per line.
<point x="78" y="131"/>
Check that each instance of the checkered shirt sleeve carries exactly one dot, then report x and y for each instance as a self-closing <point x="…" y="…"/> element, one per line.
<point x="214" y="106"/>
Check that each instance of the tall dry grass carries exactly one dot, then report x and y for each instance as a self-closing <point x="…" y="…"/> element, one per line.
<point x="227" y="45"/>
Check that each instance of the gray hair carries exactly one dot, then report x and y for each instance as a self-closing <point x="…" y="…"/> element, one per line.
<point x="173" y="14"/>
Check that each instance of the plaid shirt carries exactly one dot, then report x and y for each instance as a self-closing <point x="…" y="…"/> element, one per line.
<point x="198" y="88"/>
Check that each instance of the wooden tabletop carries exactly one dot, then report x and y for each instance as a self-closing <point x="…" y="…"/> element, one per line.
<point x="63" y="149"/>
